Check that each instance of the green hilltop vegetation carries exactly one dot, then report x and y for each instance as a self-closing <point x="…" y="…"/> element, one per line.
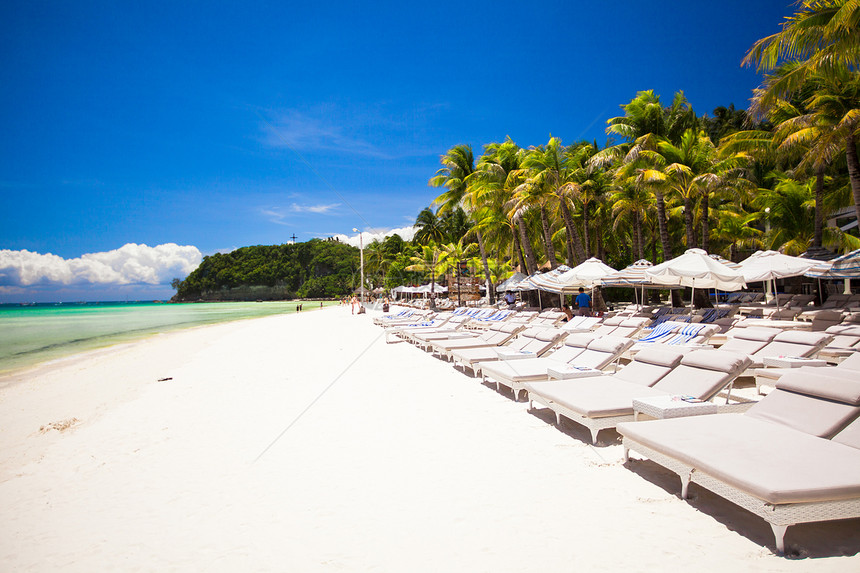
<point x="315" y="269"/>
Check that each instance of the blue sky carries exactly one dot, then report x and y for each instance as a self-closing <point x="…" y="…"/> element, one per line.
<point x="218" y="125"/>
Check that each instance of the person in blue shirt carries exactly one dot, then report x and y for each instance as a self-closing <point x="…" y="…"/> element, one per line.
<point x="583" y="301"/>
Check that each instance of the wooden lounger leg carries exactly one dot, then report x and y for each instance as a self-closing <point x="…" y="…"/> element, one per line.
<point x="779" y="536"/>
<point x="626" y="456"/>
<point x="594" y="432"/>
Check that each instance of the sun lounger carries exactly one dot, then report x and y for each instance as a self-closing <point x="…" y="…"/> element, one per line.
<point x="749" y="340"/>
<point x="406" y="315"/>
<point x="630" y="327"/>
<point x="452" y="324"/>
<point x="537" y="340"/>
<point x="792" y="458"/>
<point x="846" y="341"/>
<point x="581" y="324"/>
<point x="579" y="350"/>
<point x="770" y="376"/>
<point x="791" y="343"/>
<point x="603" y="402"/>
<point x="548" y="318"/>
<point x="496" y="335"/>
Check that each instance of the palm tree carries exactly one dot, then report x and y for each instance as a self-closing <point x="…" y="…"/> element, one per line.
<point x="630" y="203"/>
<point x="823" y="37"/>
<point x="531" y="196"/>
<point x="832" y="125"/>
<point x="430" y="229"/>
<point x="644" y="125"/>
<point x="550" y="169"/>
<point x="589" y="183"/>
<point x="499" y="174"/>
<point x="457" y="165"/>
<point x="733" y="230"/>
<point x="813" y="128"/>
<point x="427" y="261"/>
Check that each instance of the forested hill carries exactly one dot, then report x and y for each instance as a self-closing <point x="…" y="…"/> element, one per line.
<point x="315" y="269"/>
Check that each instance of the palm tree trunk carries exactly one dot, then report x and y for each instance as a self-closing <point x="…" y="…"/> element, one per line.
<point x="634" y="235"/>
<point x="572" y="231"/>
<point x="853" y="171"/>
<point x="640" y="245"/>
<point x="819" y="207"/>
<point x="568" y="244"/>
<point x="688" y="222"/>
<point x="547" y="238"/>
<point x="491" y="297"/>
<point x="706" y="224"/>
<point x="515" y="244"/>
<point x="528" y="251"/>
<point x="586" y="239"/>
<point x="664" y="227"/>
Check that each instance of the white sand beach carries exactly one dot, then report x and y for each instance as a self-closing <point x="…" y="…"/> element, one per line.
<point x="306" y="443"/>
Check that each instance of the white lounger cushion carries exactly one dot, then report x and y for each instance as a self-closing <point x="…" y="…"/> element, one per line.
<point x="649" y="366"/>
<point x="703" y="372"/>
<point x="773" y="462"/>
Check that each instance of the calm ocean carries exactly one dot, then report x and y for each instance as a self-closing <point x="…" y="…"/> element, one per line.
<point x="33" y="334"/>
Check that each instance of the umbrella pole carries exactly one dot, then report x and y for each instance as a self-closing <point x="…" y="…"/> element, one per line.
<point x="692" y="298"/>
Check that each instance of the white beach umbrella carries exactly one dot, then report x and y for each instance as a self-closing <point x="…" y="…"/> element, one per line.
<point x="724" y="261"/>
<point x="769" y="265"/>
<point x="765" y="266"/>
<point x="511" y="282"/>
<point x="588" y="273"/>
<point x="697" y="270"/>
<point x="631" y="275"/>
<point x="845" y="267"/>
<point x="549" y="281"/>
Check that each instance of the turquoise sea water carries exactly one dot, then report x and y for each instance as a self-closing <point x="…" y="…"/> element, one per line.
<point x="33" y="334"/>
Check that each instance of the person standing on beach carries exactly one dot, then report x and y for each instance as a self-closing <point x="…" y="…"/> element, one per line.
<point x="353" y="302"/>
<point x="583" y="301"/>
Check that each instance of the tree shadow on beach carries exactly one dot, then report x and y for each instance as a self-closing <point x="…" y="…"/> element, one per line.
<point x="802" y="541"/>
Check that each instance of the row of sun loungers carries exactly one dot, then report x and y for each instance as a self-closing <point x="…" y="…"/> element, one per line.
<point x="580" y="351"/>
<point x="750" y="458"/>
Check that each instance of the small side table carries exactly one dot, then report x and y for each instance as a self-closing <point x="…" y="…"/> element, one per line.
<point x="791" y="361"/>
<point x="662" y="407"/>
<point x="514" y="354"/>
<point x="567" y="371"/>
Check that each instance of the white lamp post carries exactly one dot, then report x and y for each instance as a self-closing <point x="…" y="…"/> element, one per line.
<point x="361" y="254"/>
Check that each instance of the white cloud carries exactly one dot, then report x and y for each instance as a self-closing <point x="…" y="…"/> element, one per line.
<point x="313" y="208"/>
<point x="318" y="131"/>
<point x="406" y="233"/>
<point x="130" y="264"/>
<point x="274" y="216"/>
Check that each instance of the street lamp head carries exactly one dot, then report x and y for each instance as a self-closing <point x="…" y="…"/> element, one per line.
<point x="354" y="230"/>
